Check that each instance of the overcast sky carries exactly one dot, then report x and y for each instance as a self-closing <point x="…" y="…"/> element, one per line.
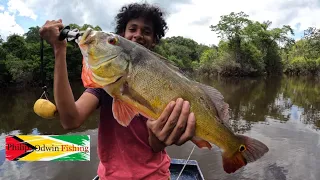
<point x="188" y="18"/>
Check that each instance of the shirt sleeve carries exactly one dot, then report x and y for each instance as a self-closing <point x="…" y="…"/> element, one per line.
<point x="104" y="98"/>
<point x="97" y="92"/>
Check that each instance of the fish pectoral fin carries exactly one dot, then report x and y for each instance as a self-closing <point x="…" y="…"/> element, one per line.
<point x="201" y="143"/>
<point x="122" y="112"/>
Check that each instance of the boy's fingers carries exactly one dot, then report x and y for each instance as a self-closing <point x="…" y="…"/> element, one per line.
<point x="181" y="124"/>
<point x="172" y="120"/>
<point x="190" y="130"/>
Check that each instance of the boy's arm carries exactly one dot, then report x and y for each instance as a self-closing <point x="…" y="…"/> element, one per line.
<point x="72" y="114"/>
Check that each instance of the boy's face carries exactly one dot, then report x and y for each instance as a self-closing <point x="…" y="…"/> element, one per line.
<point x="140" y="31"/>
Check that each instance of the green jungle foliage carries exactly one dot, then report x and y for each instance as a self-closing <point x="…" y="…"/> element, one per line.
<point x="246" y="48"/>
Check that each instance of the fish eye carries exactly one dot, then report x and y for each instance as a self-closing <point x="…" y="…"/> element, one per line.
<point x="242" y="148"/>
<point x="112" y="40"/>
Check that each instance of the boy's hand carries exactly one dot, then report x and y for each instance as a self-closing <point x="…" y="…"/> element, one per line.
<point x="50" y="32"/>
<point x="176" y="125"/>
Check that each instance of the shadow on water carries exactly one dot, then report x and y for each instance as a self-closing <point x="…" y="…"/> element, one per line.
<point x="282" y="112"/>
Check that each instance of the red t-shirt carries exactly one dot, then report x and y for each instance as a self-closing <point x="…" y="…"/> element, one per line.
<point x="125" y="152"/>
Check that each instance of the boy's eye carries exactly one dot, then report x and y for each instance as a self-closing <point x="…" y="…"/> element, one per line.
<point x="147" y="32"/>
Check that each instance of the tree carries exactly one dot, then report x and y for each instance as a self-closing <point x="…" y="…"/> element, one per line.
<point x="230" y="27"/>
<point x="312" y="36"/>
<point x="33" y="36"/>
<point x="16" y="45"/>
<point x="184" y="52"/>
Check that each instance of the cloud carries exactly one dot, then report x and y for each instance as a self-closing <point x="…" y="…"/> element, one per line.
<point x="8" y="14"/>
<point x="94" y="12"/>
<point x="18" y="6"/>
<point x="298" y="4"/>
<point x="8" y="25"/>
<point x="193" y="20"/>
<point x="189" y="18"/>
<point x="202" y="21"/>
<point x="170" y="6"/>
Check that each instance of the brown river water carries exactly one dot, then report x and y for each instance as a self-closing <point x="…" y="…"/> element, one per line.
<point x="282" y="112"/>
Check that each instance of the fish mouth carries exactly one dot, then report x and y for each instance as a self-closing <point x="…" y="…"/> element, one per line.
<point x="118" y="79"/>
<point x="85" y="35"/>
<point x="97" y="65"/>
<point x="103" y="79"/>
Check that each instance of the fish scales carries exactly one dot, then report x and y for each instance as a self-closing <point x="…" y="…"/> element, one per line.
<point x="150" y="75"/>
<point x="142" y="82"/>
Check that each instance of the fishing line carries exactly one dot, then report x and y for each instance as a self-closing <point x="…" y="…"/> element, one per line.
<point x="43" y="78"/>
<point x="44" y="93"/>
<point x="41" y="60"/>
<point x="186" y="162"/>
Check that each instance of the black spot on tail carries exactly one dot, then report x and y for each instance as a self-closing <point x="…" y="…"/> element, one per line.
<point x="250" y="151"/>
<point x="242" y="148"/>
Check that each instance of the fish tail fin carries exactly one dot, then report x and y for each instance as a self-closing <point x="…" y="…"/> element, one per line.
<point x="249" y="150"/>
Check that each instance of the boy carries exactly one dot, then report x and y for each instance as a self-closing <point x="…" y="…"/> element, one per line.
<point x="136" y="151"/>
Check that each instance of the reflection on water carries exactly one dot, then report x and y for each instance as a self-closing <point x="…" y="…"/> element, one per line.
<point x="281" y="112"/>
<point x="253" y="100"/>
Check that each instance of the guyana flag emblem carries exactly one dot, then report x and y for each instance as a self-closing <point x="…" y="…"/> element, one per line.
<point x="48" y="148"/>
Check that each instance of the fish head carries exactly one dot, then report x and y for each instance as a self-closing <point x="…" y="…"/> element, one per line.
<point x="105" y="60"/>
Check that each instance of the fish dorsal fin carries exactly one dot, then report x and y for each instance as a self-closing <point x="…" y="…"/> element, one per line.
<point x="218" y="100"/>
<point x="171" y="66"/>
<point x="166" y="61"/>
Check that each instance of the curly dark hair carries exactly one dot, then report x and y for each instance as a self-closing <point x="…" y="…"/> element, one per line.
<point x="145" y="10"/>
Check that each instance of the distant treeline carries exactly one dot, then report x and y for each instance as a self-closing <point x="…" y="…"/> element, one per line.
<point x="246" y="48"/>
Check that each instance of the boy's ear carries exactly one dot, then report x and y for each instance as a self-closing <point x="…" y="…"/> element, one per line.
<point x="153" y="43"/>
